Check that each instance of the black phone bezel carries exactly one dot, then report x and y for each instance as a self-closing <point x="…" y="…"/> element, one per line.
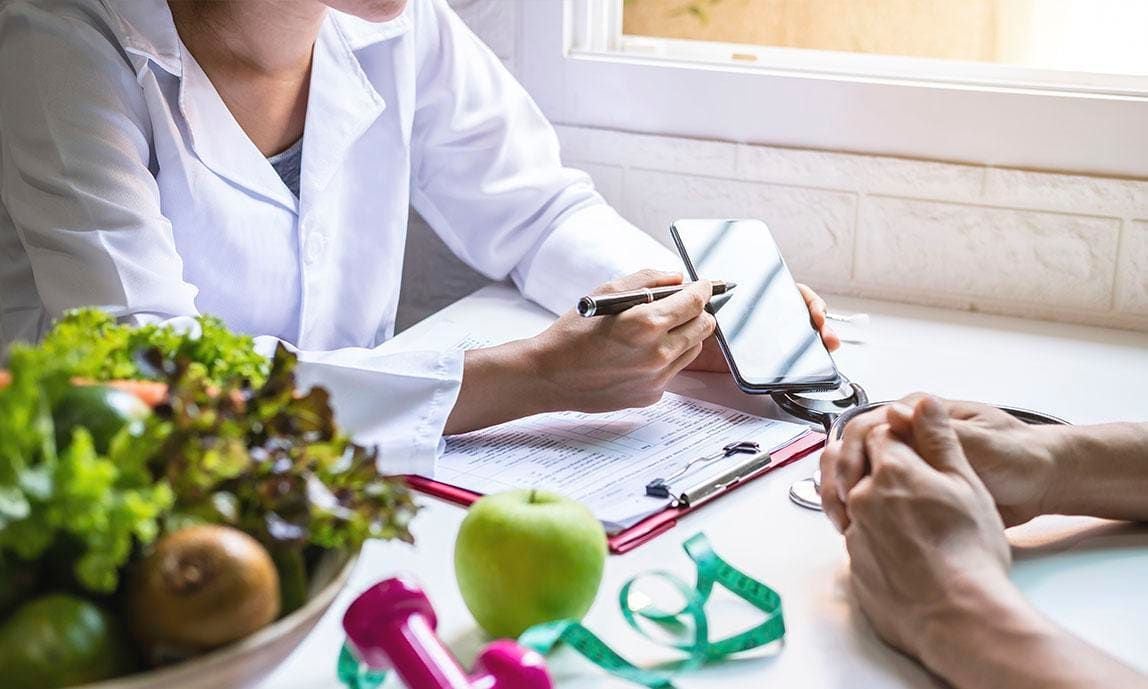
<point x="804" y="385"/>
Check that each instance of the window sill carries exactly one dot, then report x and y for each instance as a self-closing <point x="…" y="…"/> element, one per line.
<point x="1099" y="132"/>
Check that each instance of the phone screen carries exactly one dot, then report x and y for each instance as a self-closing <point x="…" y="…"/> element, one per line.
<point x="763" y="323"/>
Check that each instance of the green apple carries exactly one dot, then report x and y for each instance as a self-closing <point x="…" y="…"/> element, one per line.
<point x="528" y="556"/>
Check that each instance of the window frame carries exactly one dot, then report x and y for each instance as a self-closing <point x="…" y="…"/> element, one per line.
<point x="582" y="71"/>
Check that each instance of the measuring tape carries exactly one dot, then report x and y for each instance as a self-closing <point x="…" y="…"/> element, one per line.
<point x="355" y="674"/>
<point x="636" y="608"/>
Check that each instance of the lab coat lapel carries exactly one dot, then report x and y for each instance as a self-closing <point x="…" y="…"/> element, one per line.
<point x="149" y="34"/>
<point x="341" y="106"/>
<point x="221" y="144"/>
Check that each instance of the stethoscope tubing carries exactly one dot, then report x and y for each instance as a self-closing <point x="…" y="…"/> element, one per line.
<point x="836" y="426"/>
<point x="834" y="415"/>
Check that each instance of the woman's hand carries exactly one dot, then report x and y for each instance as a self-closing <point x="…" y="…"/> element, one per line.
<point x="1018" y="463"/>
<point x="817" y="308"/>
<point x="711" y="358"/>
<point x="603" y="363"/>
<point x="587" y="364"/>
<point x="613" y="362"/>
<point x="924" y="541"/>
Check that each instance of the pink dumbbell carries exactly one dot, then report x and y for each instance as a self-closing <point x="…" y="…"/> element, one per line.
<point x="392" y="626"/>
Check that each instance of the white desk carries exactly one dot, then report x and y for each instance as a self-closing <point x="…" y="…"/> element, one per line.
<point x="1086" y="574"/>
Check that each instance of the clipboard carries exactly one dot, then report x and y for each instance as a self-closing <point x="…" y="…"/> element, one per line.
<point x="660" y="522"/>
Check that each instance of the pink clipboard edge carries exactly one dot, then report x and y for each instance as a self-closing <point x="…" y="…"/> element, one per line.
<point x="650" y="527"/>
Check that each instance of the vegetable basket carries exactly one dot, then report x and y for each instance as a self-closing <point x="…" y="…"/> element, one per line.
<point x="248" y="661"/>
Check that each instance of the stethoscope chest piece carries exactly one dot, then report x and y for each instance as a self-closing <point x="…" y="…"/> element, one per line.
<point x="807" y="492"/>
<point x="824" y="410"/>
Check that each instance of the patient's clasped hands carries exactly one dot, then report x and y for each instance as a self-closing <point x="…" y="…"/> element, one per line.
<point x="1017" y="462"/>
<point x="922" y="532"/>
<point x="922" y="490"/>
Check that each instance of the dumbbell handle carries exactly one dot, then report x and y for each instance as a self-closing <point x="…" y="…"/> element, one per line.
<point x="419" y="658"/>
<point x="392" y="626"/>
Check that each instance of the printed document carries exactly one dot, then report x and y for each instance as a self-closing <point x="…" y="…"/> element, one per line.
<point x="605" y="460"/>
<point x="602" y="460"/>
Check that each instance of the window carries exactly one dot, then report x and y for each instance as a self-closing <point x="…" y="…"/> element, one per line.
<point x="1049" y="84"/>
<point x="1095" y="36"/>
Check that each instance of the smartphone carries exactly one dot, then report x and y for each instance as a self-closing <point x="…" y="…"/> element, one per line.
<point x="763" y="324"/>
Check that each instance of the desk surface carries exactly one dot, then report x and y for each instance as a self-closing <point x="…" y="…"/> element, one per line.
<point x="1087" y="575"/>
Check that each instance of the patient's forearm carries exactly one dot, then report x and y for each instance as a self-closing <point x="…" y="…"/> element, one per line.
<point x="499" y="384"/>
<point x="996" y="639"/>
<point x="1102" y="472"/>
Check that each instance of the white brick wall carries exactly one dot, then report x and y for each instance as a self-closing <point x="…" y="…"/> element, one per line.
<point x="813" y="227"/>
<point x="991" y="254"/>
<point x="1035" y="244"/>
<point x="1132" y="270"/>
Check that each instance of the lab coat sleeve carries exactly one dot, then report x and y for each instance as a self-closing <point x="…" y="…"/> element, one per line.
<point x="487" y="176"/>
<point x="76" y="183"/>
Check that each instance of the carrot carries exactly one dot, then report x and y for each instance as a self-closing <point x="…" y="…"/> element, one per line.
<point x="151" y="392"/>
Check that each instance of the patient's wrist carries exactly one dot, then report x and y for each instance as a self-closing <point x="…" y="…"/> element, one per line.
<point x="977" y="620"/>
<point x="1063" y="446"/>
<point x="1102" y="471"/>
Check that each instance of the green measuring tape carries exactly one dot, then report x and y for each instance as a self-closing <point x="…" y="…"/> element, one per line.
<point x="689" y="622"/>
<point x="354" y="674"/>
<point x="698" y="647"/>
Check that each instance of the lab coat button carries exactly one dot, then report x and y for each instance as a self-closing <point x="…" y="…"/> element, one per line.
<point x="313" y="248"/>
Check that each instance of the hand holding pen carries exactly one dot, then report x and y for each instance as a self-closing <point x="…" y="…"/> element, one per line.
<point x="628" y="359"/>
<point x="589" y="364"/>
<point x="613" y="303"/>
<point x="599" y="364"/>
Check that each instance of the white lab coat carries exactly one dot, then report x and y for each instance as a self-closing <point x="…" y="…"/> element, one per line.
<point x="126" y="183"/>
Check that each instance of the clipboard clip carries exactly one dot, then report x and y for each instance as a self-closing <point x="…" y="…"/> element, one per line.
<point x="660" y="487"/>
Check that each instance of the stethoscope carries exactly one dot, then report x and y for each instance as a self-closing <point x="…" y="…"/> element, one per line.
<point x="834" y="413"/>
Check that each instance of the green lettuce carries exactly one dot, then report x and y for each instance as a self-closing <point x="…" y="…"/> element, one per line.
<point x="89" y="343"/>
<point x="95" y="507"/>
<point x="234" y="443"/>
<point x="271" y="461"/>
